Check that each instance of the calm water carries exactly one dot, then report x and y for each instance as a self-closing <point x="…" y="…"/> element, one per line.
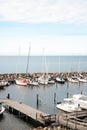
<point x="28" y="94"/>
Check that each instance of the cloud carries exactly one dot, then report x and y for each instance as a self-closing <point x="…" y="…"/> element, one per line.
<point x="36" y="11"/>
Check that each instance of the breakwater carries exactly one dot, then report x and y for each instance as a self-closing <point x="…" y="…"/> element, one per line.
<point x="11" y="77"/>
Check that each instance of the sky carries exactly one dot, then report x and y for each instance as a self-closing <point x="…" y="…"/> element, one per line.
<point x="58" y="26"/>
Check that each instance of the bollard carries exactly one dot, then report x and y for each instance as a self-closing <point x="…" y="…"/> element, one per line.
<point x="37" y="99"/>
<point x="54" y="97"/>
<point x="8" y="96"/>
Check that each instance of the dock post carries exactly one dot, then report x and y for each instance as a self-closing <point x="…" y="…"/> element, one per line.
<point x="8" y="96"/>
<point x="67" y="94"/>
<point x="55" y="98"/>
<point x="37" y="99"/>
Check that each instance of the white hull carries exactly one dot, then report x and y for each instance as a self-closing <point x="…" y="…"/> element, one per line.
<point x="82" y="80"/>
<point x="66" y="107"/>
<point x="83" y="105"/>
<point x="42" y="80"/>
<point x="51" y="82"/>
<point x="18" y="82"/>
<point x="2" y="109"/>
<point x="60" y="80"/>
<point x="33" y="83"/>
<point x="72" y="80"/>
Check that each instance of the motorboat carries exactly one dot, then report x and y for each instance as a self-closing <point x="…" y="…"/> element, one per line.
<point x="83" y="102"/>
<point x="72" y="104"/>
<point x="2" y="109"/>
<point x="76" y="97"/>
<point x="68" y="106"/>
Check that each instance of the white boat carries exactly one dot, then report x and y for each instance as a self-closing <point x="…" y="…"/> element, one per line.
<point x="68" y="106"/>
<point x="60" y="79"/>
<point x="43" y="80"/>
<point x="80" y="79"/>
<point x="51" y="81"/>
<point x="33" y="83"/>
<point x="2" y="109"/>
<point x="71" y="104"/>
<point x="21" y="81"/>
<point x="76" y="98"/>
<point x="83" y="102"/>
<point x="72" y="80"/>
<point x="3" y="83"/>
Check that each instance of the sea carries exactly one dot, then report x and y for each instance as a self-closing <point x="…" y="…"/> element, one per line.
<point x="27" y="95"/>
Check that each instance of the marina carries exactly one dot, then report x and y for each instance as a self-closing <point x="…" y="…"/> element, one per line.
<point x="41" y="98"/>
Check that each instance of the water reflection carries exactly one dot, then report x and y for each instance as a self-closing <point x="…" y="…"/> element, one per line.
<point x="28" y="96"/>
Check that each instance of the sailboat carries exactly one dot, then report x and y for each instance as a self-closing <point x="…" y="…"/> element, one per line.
<point x="60" y="78"/>
<point x="43" y="79"/>
<point x="20" y="80"/>
<point x="31" y="82"/>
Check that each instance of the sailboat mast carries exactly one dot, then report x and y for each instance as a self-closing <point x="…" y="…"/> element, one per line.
<point x="28" y="60"/>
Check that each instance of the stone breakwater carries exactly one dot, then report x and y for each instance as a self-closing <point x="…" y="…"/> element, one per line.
<point x="35" y="76"/>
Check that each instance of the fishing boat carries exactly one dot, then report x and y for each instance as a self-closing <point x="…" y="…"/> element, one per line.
<point x="2" y="109"/>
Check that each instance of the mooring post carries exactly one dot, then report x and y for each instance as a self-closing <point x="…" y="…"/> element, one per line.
<point x="67" y="94"/>
<point x="54" y="97"/>
<point x="8" y="96"/>
<point x="37" y="99"/>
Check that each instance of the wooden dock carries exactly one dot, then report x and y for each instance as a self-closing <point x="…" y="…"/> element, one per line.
<point x="28" y="112"/>
<point x="73" y="121"/>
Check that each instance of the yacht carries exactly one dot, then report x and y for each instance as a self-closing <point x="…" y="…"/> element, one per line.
<point x="71" y="104"/>
<point x="68" y="106"/>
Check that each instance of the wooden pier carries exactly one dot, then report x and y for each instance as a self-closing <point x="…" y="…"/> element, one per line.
<point x="73" y="120"/>
<point x="29" y="112"/>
